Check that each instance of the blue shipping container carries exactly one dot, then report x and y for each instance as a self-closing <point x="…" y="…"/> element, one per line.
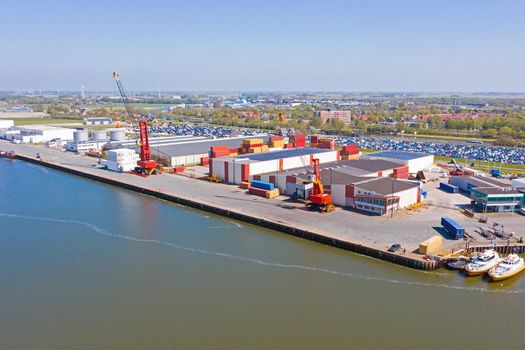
<point x="263" y="185"/>
<point x="452" y="227"/>
<point x="495" y="172"/>
<point x="448" y="187"/>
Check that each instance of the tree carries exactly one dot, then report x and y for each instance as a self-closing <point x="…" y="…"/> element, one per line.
<point x="506" y="131"/>
<point x="337" y="124"/>
<point x="317" y="122"/>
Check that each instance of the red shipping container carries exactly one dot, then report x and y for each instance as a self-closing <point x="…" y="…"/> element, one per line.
<point x="314" y="139"/>
<point x="276" y="138"/>
<point x="205" y="161"/>
<point x="401" y="169"/>
<point x="220" y="154"/>
<point x="257" y="191"/>
<point x="219" y="148"/>
<point x="245" y="172"/>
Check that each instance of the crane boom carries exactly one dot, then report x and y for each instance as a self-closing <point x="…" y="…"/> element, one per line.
<point x="145" y="152"/>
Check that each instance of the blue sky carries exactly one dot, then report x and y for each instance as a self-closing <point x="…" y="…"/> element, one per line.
<point x="375" y="45"/>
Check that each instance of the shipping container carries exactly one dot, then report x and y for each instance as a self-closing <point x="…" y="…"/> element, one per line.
<point x="272" y="194"/>
<point x="452" y="227"/>
<point x="431" y="245"/>
<point x="268" y="186"/>
<point x="448" y="187"/>
<point x="257" y="191"/>
<point x="495" y="172"/>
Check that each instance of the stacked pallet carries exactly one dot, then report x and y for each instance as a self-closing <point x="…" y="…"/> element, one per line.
<point x="122" y="160"/>
<point x="350" y="152"/>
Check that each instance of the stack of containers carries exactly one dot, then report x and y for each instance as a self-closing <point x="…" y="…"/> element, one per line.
<point x="219" y="151"/>
<point x="263" y="189"/>
<point x="253" y="146"/>
<point x="326" y="143"/>
<point x="350" y="152"/>
<point x="401" y="172"/>
<point x="234" y="152"/>
<point x="300" y="140"/>
<point x="314" y="140"/>
<point x="277" y="142"/>
<point x="122" y="160"/>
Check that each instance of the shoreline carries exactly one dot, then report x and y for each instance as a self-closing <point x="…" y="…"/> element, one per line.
<point x="407" y="260"/>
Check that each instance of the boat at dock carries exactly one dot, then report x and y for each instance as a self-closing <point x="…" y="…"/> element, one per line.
<point x="510" y="266"/>
<point x="456" y="265"/>
<point x="8" y="155"/>
<point x="483" y="263"/>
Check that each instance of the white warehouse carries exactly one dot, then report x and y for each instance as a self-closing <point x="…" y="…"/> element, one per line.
<point x="42" y="133"/>
<point x="241" y="168"/>
<point x="415" y="161"/>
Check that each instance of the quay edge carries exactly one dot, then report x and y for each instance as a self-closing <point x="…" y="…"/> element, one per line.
<point x="358" y="248"/>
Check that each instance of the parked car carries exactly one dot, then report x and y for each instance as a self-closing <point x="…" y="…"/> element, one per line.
<point x="394" y="248"/>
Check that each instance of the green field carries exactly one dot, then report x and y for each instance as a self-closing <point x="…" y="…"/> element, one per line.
<point x="31" y="121"/>
<point x="487" y="166"/>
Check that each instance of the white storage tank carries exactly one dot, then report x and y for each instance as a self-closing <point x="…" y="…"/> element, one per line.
<point x="117" y="135"/>
<point x="80" y="136"/>
<point x="100" y="135"/>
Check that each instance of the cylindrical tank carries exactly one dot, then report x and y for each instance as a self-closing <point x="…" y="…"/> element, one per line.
<point x="100" y="135"/>
<point x="80" y="136"/>
<point x="117" y="135"/>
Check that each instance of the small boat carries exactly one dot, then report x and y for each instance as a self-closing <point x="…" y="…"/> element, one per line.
<point x="483" y="263"/>
<point x="456" y="265"/>
<point x="509" y="267"/>
<point x="9" y="155"/>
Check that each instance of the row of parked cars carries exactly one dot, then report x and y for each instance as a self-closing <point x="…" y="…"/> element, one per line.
<point x="453" y="150"/>
<point x="202" y="130"/>
<point x="483" y="152"/>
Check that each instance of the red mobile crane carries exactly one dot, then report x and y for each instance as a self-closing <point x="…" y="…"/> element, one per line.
<point x="318" y="198"/>
<point x="145" y="166"/>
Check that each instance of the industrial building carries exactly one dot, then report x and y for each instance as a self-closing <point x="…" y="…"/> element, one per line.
<point x="184" y="150"/>
<point x="243" y="167"/>
<point x="365" y="184"/>
<point x="6" y="123"/>
<point x="98" y="121"/>
<point x="466" y="182"/>
<point x="327" y="116"/>
<point x="415" y="161"/>
<point x="38" y="133"/>
<point x="489" y="194"/>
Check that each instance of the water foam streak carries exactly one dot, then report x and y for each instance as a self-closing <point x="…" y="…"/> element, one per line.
<point x="104" y="232"/>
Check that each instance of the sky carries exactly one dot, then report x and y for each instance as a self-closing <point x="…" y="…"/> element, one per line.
<point x="209" y="45"/>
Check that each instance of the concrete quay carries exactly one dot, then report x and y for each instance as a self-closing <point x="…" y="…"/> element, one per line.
<point x="367" y="235"/>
